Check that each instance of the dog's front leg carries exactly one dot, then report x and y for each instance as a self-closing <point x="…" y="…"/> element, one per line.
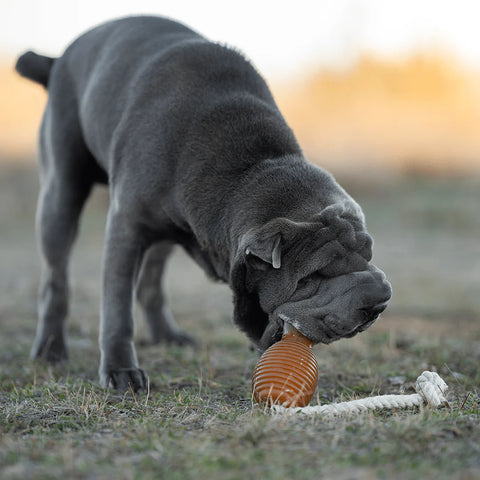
<point x="124" y="247"/>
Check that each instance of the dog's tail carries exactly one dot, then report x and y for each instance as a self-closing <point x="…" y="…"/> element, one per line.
<point x="35" y="67"/>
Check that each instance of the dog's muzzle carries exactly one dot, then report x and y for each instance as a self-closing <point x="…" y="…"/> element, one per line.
<point x="340" y="307"/>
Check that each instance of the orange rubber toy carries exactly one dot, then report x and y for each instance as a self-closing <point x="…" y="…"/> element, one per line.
<point x="286" y="374"/>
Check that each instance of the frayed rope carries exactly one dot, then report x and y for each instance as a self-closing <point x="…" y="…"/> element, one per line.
<point x="429" y="386"/>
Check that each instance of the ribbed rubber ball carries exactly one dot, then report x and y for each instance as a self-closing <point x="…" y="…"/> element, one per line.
<point x="287" y="372"/>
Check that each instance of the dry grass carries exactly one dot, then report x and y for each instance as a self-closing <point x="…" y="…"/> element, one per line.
<point x="196" y="424"/>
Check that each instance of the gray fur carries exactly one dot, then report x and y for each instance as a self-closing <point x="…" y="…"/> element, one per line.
<point x="195" y="152"/>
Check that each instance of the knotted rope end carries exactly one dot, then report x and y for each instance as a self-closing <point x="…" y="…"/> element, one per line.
<point x="431" y="387"/>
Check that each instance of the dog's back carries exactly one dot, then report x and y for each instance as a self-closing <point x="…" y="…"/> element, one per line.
<point x="99" y="43"/>
<point x="102" y="71"/>
<point x="154" y="75"/>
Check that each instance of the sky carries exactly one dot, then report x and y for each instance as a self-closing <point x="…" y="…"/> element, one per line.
<point x="282" y="38"/>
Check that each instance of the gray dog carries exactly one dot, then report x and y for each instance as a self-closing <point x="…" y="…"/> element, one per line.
<point x="195" y="152"/>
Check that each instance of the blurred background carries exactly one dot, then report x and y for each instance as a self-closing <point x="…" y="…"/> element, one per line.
<point x="386" y="95"/>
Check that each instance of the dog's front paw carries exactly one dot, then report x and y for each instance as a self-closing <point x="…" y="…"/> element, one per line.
<point x="123" y="379"/>
<point x="51" y="348"/>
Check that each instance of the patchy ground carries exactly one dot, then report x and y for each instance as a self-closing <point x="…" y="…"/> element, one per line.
<point x="197" y="421"/>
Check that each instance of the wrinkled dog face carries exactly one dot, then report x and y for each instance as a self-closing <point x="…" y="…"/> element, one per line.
<point x="316" y="275"/>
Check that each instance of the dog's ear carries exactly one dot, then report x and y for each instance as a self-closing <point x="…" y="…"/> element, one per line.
<point x="266" y="248"/>
<point x="247" y="313"/>
<point x="258" y="249"/>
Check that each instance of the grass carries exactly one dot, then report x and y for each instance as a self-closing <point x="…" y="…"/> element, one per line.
<point x="197" y="420"/>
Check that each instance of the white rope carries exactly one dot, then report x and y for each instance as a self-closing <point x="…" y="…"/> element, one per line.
<point x="429" y="386"/>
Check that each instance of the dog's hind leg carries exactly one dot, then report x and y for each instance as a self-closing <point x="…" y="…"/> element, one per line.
<point x="151" y="297"/>
<point x="64" y="189"/>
